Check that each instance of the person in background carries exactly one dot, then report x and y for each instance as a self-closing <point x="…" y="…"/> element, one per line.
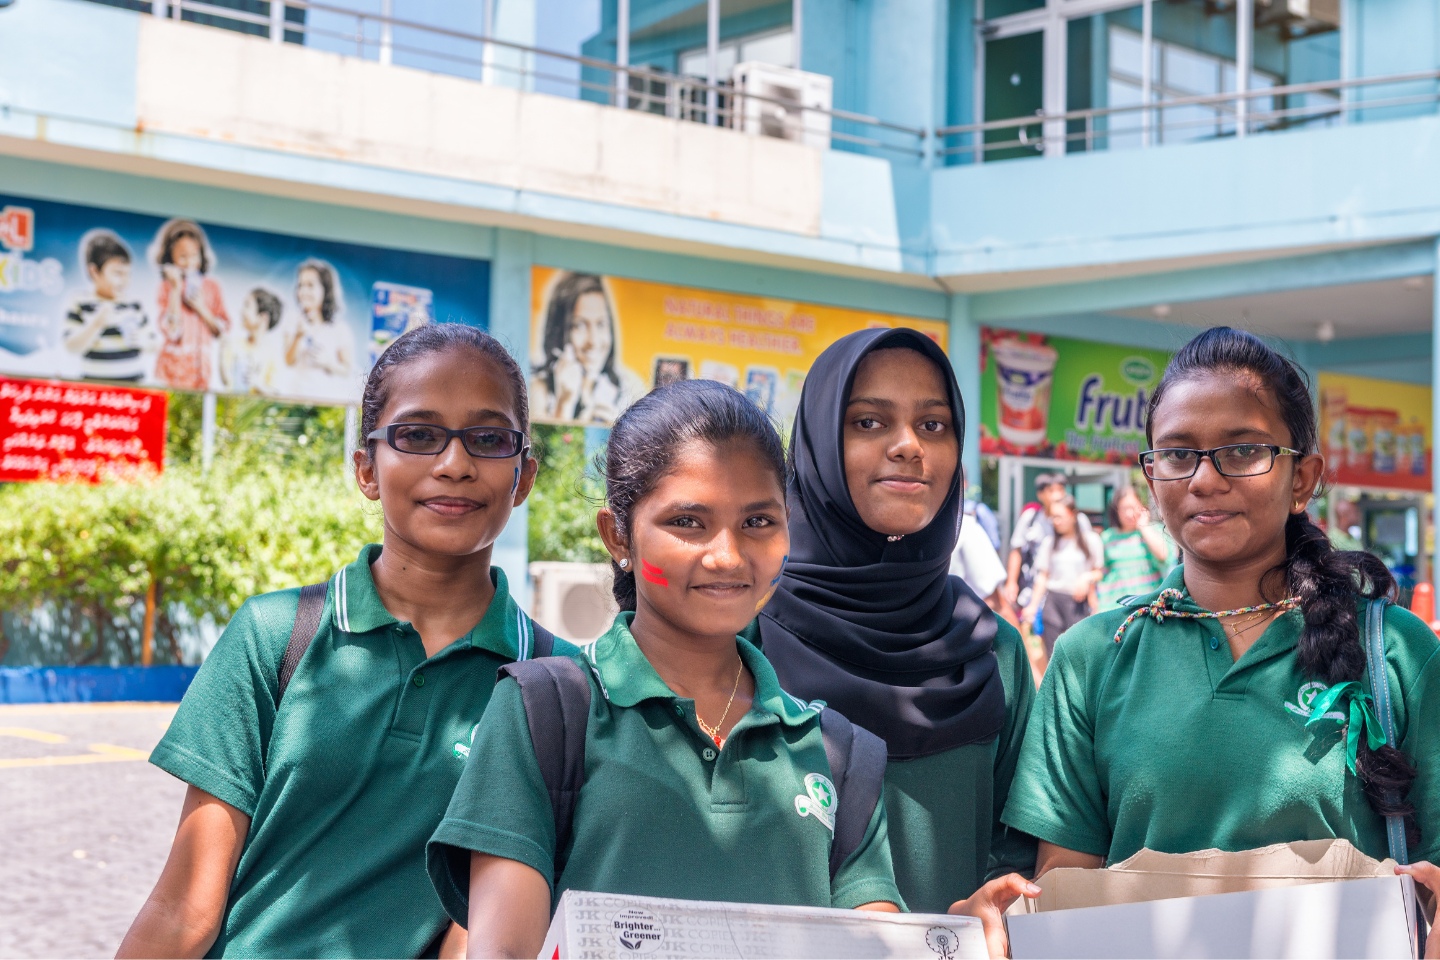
<point x="580" y="378"/>
<point x="321" y="342"/>
<point x="976" y="562"/>
<point x="1136" y="555"/>
<point x="1346" y="533"/>
<point x="1069" y="564"/>
<point x="249" y="356"/>
<point x="192" y="307"/>
<point x="110" y="332"/>
<point x="1031" y="530"/>
<point x="980" y="510"/>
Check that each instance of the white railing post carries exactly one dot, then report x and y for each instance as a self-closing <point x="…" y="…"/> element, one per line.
<point x="1244" y="40"/>
<point x="622" y="54"/>
<point x="1147" y="71"/>
<point x="712" y="59"/>
<point x="277" y="21"/>
<point x="387" y="33"/>
<point x="160" y="8"/>
<point x="797" y="32"/>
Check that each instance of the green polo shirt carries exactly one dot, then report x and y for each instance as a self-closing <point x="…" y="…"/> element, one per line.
<point x="944" y="810"/>
<point x="662" y="812"/>
<point x="1164" y="741"/>
<point x="346" y="781"/>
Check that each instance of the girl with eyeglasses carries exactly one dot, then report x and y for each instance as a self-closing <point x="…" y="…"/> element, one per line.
<point x="315" y="783"/>
<point x="1231" y="708"/>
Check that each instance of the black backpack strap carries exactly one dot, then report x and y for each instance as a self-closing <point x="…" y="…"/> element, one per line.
<point x="542" y="641"/>
<point x="307" y="625"/>
<point x="556" y="694"/>
<point x="857" y="765"/>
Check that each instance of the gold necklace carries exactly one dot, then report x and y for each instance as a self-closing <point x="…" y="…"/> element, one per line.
<point x="714" y="731"/>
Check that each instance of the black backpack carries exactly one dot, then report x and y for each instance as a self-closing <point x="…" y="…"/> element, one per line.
<point x="556" y="695"/>
<point x="307" y="625"/>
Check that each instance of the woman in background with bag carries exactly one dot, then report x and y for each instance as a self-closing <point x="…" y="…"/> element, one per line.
<point x="1233" y="708"/>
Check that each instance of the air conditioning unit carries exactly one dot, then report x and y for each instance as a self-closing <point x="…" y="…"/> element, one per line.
<point x="1299" y="17"/>
<point x="781" y="102"/>
<point x="573" y="600"/>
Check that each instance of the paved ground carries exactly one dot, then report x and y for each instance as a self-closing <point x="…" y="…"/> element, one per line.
<point x="85" y="824"/>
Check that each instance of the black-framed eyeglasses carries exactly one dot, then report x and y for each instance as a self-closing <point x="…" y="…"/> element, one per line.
<point x="1231" y="460"/>
<point x="428" y="439"/>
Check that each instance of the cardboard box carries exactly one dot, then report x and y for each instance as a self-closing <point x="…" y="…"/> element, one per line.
<point x="591" y="926"/>
<point x="1317" y="898"/>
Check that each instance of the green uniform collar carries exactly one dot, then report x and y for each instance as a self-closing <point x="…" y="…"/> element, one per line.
<point x="626" y="677"/>
<point x="357" y="609"/>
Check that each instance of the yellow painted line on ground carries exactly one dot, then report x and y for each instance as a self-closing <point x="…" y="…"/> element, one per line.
<point x="101" y="753"/>
<point x="39" y="736"/>
<point x="14" y="709"/>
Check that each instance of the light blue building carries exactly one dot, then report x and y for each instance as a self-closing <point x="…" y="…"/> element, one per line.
<point x="1123" y="172"/>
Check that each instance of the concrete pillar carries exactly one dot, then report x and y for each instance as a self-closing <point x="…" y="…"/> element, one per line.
<point x="510" y="324"/>
<point x="965" y="358"/>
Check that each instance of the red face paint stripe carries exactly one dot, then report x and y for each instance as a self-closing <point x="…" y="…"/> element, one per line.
<point x="653" y="574"/>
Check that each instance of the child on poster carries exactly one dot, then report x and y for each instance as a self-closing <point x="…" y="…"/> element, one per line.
<point x="250" y="356"/>
<point x="192" y="308"/>
<point x="319" y="347"/>
<point x="111" y="333"/>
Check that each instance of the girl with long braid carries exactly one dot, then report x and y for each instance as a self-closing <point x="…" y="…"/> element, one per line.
<point x="1230" y="708"/>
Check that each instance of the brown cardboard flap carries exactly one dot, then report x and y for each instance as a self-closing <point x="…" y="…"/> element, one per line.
<point x="1150" y="875"/>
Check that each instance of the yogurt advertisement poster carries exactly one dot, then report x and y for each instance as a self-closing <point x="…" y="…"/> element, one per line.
<point x="1375" y="433"/>
<point x="1063" y="399"/>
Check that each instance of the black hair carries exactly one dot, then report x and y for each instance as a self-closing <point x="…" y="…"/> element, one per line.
<point x="558" y="316"/>
<point x="1068" y="502"/>
<point x="422" y="342"/>
<point x="177" y="230"/>
<point x="1325" y="579"/>
<point x="329" y="304"/>
<point x="268" y="304"/>
<point x="102" y="246"/>
<point x="1045" y="480"/>
<point x="647" y="437"/>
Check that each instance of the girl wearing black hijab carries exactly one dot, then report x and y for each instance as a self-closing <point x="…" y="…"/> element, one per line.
<point x="867" y="617"/>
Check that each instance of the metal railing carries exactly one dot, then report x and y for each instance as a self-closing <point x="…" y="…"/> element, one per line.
<point x="502" y="62"/>
<point x="1141" y="125"/>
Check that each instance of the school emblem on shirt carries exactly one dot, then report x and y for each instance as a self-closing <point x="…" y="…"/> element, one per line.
<point x="461" y="750"/>
<point x="818" y="800"/>
<point x="1305" y="700"/>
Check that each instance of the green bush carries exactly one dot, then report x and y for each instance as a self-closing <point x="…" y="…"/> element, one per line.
<point x="276" y="510"/>
<point x="566" y="496"/>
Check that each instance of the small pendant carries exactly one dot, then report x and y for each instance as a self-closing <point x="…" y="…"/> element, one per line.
<point x="718" y="741"/>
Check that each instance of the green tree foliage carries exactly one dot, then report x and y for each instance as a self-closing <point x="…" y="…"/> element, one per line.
<point x="277" y="509"/>
<point x="566" y="496"/>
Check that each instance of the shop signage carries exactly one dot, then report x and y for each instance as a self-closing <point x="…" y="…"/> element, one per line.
<point x="1064" y="399"/>
<point x="94" y="294"/>
<point x="53" y="430"/>
<point x="600" y="343"/>
<point x="1375" y="433"/>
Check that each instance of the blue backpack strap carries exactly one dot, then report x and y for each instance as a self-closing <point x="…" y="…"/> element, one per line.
<point x="307" y="624"/>
<point x="556" y="695"/>
<point x="1384" y="709"/>
<point x="857" y="765"/>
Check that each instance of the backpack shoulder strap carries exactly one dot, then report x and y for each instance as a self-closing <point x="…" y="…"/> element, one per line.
<point x="302" y="634"/>
<point x="556" y="695"/>
<point x="1384" y="709"/>
<point x="542" y="641"/>
<point x="857" y="764"/>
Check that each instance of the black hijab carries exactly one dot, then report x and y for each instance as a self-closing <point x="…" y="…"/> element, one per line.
<point x="878" y="629"/>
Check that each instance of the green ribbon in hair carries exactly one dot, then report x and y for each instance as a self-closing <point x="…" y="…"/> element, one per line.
<point x="1361" y="716"/>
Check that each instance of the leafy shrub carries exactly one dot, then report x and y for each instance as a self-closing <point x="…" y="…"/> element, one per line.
<point x="566" y="496"/>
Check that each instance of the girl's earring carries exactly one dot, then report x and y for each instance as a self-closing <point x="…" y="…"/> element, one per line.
<point x="623" y="563"/>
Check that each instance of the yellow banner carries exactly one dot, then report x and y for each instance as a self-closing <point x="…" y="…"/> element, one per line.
<point x="598" y="344"/>
<point x="1375" y="433"/>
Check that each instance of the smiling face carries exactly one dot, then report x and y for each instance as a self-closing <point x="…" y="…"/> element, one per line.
<point x="901" y="451"/>
<point x="1224" y="521"/>
<point x="1062" y="517"/>
<point x="110" y="280"/>
<point x="590" y="331"/>
<point x="185" y="253"/>
<point x="451" y="504"/>
<point x="707" y="544"/>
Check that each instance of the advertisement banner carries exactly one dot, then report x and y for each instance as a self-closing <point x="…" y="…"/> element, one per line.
<point x="94" y="294"/>
<point x="51" y="430"/>
<point x="1376" y="433"/>
<point x="598" y="343"/>
<point x="1064" y="399"/>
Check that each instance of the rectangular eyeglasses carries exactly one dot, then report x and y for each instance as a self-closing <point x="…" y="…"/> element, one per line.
<point x="428" y="439"/>
<point x="1231" y="460"/>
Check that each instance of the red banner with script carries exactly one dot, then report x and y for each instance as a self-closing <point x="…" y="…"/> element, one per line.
<point x="51" y="430"/>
